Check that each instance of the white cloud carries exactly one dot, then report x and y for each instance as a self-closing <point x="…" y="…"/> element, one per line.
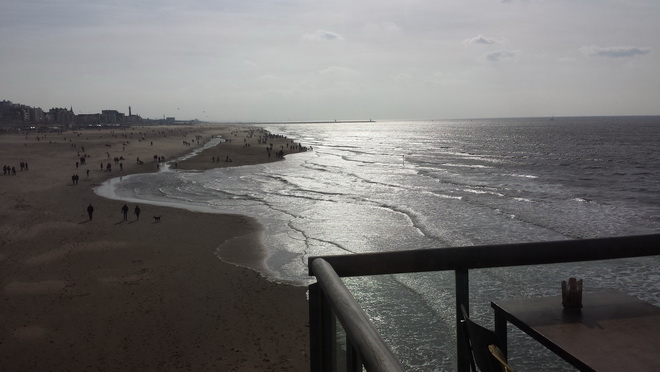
<point x="402" y="76"/>
<point x="501" y="55"/>
<point x="480" y="39"/>
<point x="322" y="35"/>
<point x="268" y="78"/>
<point x="614" y="51"/>
<point x="445" y="79"/>
<point x="338" y="71"/>
<point x="390" y="27"/>
<point x="382" y="28"/>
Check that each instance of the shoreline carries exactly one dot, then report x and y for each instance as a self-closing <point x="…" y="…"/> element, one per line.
<point x="247" y="150"/>
<point x="106" y="293"/>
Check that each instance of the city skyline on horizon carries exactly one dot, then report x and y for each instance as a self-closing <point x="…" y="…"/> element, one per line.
<point x="294" y="61"/>
<point x="319" y="120"/>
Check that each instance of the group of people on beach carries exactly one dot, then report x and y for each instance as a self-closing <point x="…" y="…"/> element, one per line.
<point x="7" y="170"/>
<point x="137" y="211"/>
<point x="216" y="159"/>
<point x="11" y="171"/>
<point x="124" y="212"/>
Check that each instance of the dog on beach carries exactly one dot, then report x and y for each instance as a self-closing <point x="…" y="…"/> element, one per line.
<point x="156" y="218"/>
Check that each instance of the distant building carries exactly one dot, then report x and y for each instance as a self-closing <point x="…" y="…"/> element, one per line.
<point x="11" y="113"/>
<point x="88" y="119"/>
<point x="133" y="119"/>
<point x="62" y="116"/>
<point x="113" y="116"/>
<point x="20" y="117"/>
<point x="36" y="114"/>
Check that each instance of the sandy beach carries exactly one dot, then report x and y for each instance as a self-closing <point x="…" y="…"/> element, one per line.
<point x="109" y="294"/>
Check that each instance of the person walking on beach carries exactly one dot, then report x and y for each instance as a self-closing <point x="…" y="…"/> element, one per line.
<point x="90" y="211"/>
<point x="124" y="210"/>
<point x="137" y="212"/>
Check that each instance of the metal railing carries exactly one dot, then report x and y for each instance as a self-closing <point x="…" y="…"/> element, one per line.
<point x="330" y="300"/>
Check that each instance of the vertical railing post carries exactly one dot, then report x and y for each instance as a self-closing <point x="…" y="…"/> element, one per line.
<point x="315" y="327"/>
<point x="500" y="331"/>
<point x="462" y="297"/>
<point x="353" y="361"/>
<point x="329" y="322"/>
<point x="322" y="332"/>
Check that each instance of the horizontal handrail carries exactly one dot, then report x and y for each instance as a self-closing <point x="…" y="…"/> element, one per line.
<point x="373" y="351"/>
<point x="487" y="256"/>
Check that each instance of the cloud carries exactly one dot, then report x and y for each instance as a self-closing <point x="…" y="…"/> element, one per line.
<point x="380" y="29"/>
<point x="445" y="79"/>
<point x="501" y="55"/>
<point x="338" y="71"/>
<point x="390" y="27"/>
<point x="322" y="35"/>
<point x="480" y="39"/>
<point x="249" y="64"/>
<point x="268" y="78"/>
<point x="614" y="51"/>
<point x="402" y="76"/>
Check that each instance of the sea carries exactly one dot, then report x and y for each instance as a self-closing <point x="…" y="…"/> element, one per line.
<point x="403" y="185"/>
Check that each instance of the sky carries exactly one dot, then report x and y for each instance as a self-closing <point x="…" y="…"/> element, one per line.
<point x="297" y="60"/>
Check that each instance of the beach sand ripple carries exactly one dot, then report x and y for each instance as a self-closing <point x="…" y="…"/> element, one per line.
<point x="34" y="288"/>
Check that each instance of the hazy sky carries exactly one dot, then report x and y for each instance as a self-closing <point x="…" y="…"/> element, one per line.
<point x="262" y="60"/>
